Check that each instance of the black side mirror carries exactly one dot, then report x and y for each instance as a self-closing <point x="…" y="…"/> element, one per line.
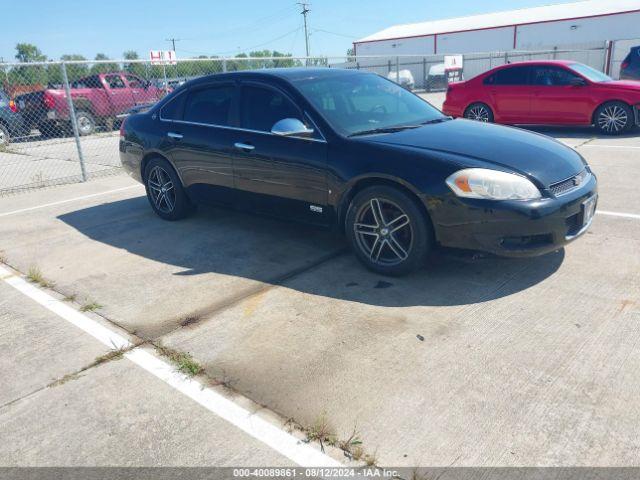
<point x="578" y="82"/>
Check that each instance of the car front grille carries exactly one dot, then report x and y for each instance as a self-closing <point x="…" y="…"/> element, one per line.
<point x="569" y="184"/>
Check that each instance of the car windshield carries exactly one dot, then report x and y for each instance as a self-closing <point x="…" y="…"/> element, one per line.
<point x="359" y="103"/>
<point x="591" y="73"/>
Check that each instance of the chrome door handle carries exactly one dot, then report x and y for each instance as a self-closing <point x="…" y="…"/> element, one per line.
<point x="177" y="136"/>
<point x="244" y="146"/>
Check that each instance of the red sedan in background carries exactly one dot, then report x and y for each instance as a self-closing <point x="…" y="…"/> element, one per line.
<point x="547" y="93"/>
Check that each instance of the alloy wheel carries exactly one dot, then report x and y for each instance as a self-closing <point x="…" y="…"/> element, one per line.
<point x="383" y="232"/>
<point x="613" y="119"/>
<point x="161" y="189"/>
<point x="85" y="125"/>
<point x="478" y="113"/>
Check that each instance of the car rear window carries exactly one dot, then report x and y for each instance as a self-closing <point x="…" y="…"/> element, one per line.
<point x="172" y="110"/>
<point x="509" y="76"/>
<point x="210" y="105"/>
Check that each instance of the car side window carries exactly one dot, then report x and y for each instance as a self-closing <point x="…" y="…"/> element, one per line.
<point x="262" y="107"/>
<point x="172" y="110"/>
<point x="210" y="105"/>
<point x="134" y="82"/>
<point x="552" y="77"/>
<point x="509" y="76"/>
<point x="114" y="81"/>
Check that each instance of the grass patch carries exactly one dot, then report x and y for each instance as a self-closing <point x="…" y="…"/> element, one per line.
<point x="184" y="362"/>
<point x="115" y="354"/>
<point x="351" y="444"/>
<point x="3" y="257"/>
<point x="320" y="431"/>
<point x="370" y="460"/>
<point x="70" y="298"/>
<point x="190" y="320"/>
<point x="90" y="307"/>
<point x="34" y="275"/>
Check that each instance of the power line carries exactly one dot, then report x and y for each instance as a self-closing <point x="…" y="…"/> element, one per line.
<point x="332" y="33"/>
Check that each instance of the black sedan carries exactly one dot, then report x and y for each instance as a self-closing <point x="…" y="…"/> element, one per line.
<point x="356" y="151"/>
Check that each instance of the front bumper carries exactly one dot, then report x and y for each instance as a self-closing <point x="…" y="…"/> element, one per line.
<point x="512" y="228"/>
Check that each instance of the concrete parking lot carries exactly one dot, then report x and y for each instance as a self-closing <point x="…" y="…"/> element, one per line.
<point x="474" y="361"/>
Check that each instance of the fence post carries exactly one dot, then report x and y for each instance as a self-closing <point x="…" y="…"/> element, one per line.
<point x="424" y="73"/>
<point x="398" y="70"/>
<point x="389" y="66"/>
<point x="74" y="122"/>
<point x="224" y="64"/>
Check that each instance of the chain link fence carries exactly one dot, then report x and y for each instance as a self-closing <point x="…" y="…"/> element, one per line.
<point x="59" y="121"/>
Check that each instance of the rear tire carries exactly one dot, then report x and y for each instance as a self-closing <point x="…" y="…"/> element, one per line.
<point x="86" y="123"/>
<point x="614" y="118"/>
<point x="165" y="191"/>
<point x="481" y="112"/>
<point x="5" y="137"/>
<point x="388" y="231"/>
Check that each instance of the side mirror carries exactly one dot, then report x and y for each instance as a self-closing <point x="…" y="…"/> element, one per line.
<point x="288" y="127"/>
<point x="578" y="82"/>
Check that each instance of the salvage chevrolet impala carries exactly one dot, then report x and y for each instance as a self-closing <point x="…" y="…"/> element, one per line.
<point x="356" y="151"/>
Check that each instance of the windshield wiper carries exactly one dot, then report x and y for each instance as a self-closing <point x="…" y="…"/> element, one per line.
<point x="397" y="128"/>
<point x="437" y="120"/>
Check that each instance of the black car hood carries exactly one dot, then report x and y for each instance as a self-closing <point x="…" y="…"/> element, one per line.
<point x="536" y="155"/>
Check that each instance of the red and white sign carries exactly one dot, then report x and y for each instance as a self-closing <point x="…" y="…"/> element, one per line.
<point x="163" y="57"/>
<point x="453" y="62"/>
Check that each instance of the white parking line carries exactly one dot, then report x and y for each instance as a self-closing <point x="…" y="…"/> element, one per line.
<point x="618" y="214"/>
<point x="61" y="202"/>
<point x="282" y="442"/>
<point x="595" y="145"/>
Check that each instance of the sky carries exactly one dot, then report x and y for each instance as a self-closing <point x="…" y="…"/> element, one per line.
<point x="214" y="27"/>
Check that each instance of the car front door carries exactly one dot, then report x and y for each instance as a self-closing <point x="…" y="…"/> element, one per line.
<point x="559" y="96"/>
<point x="140" y="90"/>
<point x="284" y="171"/>
<point x="199" y="138"/>
<point x="120" y="96"/>
<point x="510" y="94"/>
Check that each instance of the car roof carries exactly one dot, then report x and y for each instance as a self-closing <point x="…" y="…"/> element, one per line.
<point x="285" y="73"/>
<point x="538" y="62"/>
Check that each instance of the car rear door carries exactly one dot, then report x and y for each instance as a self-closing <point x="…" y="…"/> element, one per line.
<point x="510" y="94"/>
<point x="200" y="137"/>
<point x="120" y="97"/>
<point x="286" y="172"/>
<point x="557" y="99"/>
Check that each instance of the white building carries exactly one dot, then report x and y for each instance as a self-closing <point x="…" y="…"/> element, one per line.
<point x="586" y="24"/>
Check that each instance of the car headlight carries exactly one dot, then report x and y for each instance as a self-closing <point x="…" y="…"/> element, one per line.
<point x="491" y="185"/>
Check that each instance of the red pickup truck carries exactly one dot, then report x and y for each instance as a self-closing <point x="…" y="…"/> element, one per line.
<point x="97" y="100"/>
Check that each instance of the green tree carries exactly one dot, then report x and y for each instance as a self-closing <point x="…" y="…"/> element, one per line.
<point x="27" y="53"/>
<point x="28" y="74"/>
<point x="104" y="67"/>
<point x="135" y="68"/>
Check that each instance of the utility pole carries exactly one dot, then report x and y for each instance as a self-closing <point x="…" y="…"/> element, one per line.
<point x="305" y="10"/>
<point x="173" y="42"/>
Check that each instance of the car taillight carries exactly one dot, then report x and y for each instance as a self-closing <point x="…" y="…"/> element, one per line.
<point x="13" y="106"/>
<point x="122" y="128"/>
<point x="48" y="100"/>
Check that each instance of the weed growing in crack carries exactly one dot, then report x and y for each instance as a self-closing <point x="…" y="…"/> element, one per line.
<point x="184" y="362"/>
<point x="34" y="275"/>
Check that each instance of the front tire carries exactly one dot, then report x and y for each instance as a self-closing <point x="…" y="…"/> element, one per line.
<point x="388" y="231"/>
<point x="481" y="112"/>
<point x="614" y="118"/>
<point x="164" y="190"/>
